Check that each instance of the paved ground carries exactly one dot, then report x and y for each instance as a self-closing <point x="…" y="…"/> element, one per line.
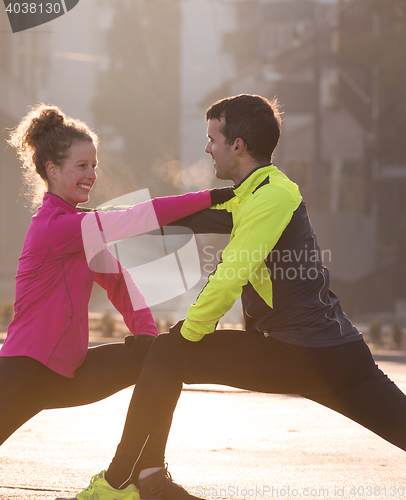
<point x="222" y="445"/>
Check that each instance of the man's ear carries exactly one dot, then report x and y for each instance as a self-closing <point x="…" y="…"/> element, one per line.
<point x="238" y="146"/>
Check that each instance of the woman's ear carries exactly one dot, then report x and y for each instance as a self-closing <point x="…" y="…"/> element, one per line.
<point x="51" y="170"/>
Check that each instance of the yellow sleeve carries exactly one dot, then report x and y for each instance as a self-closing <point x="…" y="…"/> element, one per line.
<point x="257" y="228"/>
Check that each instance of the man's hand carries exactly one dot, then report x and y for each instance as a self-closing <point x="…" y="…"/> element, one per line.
<point x="174" y="332"/>
<point x="175" y="329"/>
<point x="140" y="345"/>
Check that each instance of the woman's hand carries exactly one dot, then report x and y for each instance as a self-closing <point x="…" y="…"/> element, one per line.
<point x="140" y="345"/>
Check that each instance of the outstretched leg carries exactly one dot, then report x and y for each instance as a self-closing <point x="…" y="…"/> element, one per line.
<point x="376" y="403"/>
<point x="23" y="389"/>
<point x="242" y="359"/>
<point x="106" y="370"/>
<point x="27" y="386"/>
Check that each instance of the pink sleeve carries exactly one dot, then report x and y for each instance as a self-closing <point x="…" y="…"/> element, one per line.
<point x="69" y="233"/>
<point x="171" y="208"/>
<point x="126" y="298"/>
<point x="65" y="233"/>
<point x="103" y="227"/>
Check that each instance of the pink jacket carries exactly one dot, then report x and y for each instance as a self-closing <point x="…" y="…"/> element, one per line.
<point x="54" y="282"/>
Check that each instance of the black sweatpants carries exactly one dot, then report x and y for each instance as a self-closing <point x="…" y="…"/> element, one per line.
<point x="27" y="386"/>
<point x="344" y="378"/>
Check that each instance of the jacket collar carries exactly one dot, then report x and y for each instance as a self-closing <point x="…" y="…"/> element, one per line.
<point x="53" y="200"/>
<point x="245" y="188"/>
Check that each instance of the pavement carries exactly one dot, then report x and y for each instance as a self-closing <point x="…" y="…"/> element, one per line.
<point x="224" y="444"/>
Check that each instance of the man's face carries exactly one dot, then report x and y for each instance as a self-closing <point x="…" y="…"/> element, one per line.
<point x="225" y="161"/>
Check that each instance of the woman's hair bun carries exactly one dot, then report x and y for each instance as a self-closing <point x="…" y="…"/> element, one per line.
<point x="47" y="120"/>
<point x="50" y="118"/>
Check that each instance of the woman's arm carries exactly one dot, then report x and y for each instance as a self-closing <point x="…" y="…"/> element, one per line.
<point x="70" y="233"/>
<point x="125" y="296"/>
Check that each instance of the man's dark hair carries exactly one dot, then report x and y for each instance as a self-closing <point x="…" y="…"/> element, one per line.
<point x="254" y="119"/>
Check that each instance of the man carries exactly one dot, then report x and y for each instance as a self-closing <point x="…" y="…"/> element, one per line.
<point x="297" y="339"/>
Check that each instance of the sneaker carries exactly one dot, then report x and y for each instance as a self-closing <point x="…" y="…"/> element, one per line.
<point x="99" y="489"/>
<point x="160" y="486"/>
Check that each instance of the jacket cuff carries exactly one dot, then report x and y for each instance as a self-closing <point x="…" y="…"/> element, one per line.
<point x="190" y="334"/>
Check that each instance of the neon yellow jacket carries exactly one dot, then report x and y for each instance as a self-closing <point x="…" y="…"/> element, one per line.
<point x="274" y="262"/>
<point x="259" y="218"/>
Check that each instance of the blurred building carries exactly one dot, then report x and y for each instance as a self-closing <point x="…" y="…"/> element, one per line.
<point x="372" y="88"/>
<point x="204" y="67"/>
<point x="18" y="88"/>
<point x="136" y="104"/>
<point x="56" y="63"/>
<point x="323" y="145"/>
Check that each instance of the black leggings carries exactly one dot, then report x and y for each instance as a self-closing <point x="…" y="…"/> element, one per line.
<point x="27" y="386"/>
<point x="344" y="378"/>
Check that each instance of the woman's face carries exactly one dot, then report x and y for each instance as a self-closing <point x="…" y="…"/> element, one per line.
<point x="74" y="180"/>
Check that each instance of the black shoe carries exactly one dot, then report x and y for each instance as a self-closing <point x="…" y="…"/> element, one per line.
<point x="160" y="486"/>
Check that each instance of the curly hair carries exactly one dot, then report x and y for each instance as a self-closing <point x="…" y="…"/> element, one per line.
<point x="45" y="134"/>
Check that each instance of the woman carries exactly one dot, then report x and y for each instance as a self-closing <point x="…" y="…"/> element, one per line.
<point x="45" y="361"/>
